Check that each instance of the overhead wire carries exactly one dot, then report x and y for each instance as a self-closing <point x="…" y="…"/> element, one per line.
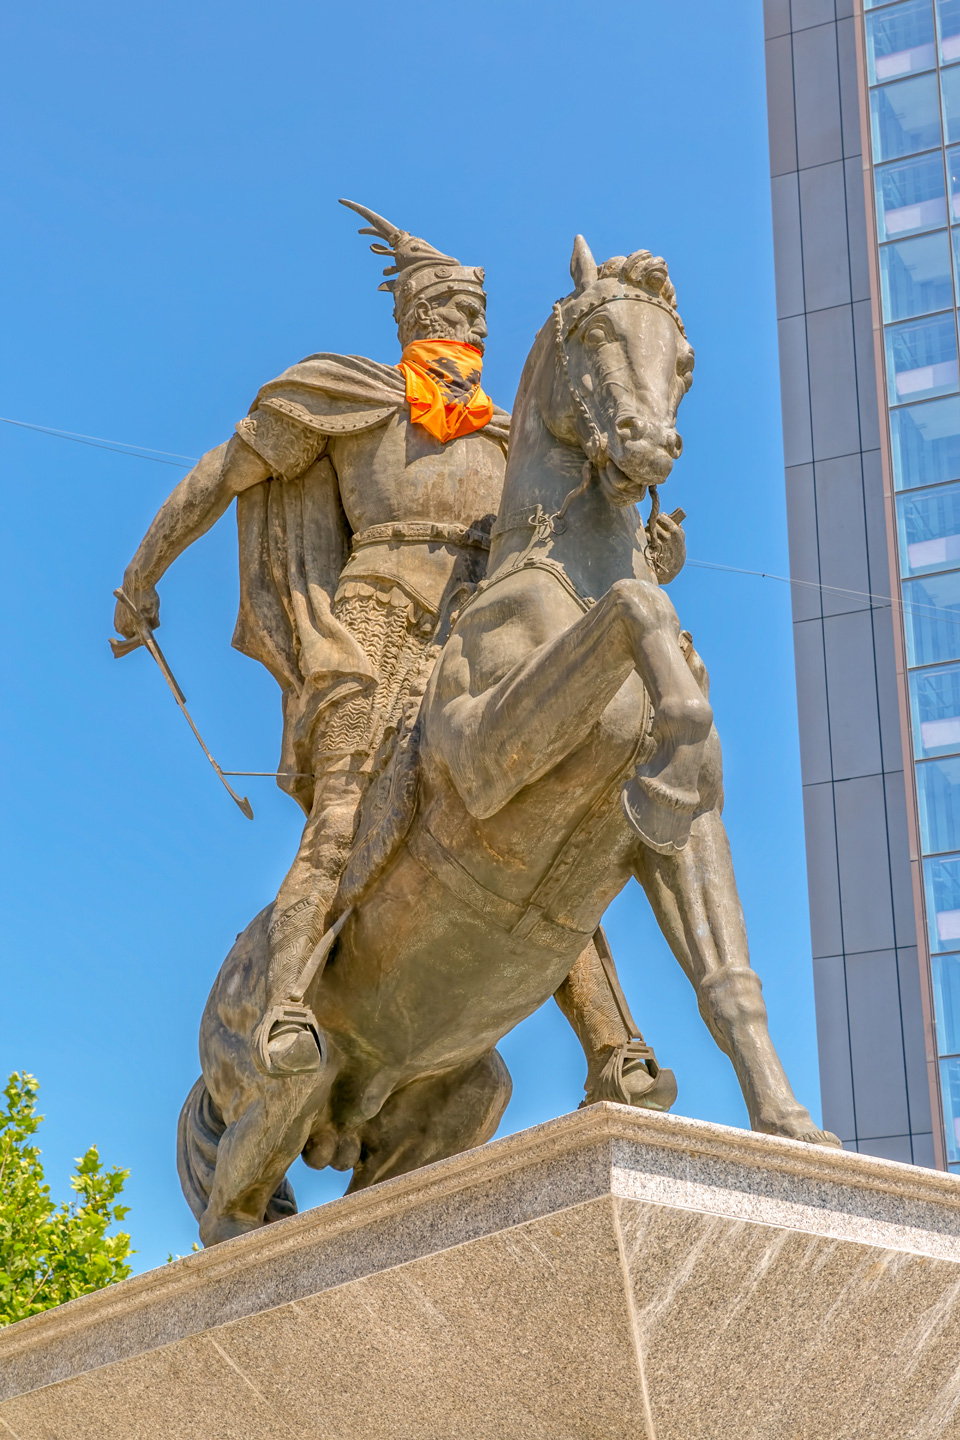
<point x="172" y="457"/>
<point x="97" y="442"/>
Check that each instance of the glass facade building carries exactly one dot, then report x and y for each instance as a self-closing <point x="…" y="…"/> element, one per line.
<point x="864" y="120"/>
<point x="914" y="46"/>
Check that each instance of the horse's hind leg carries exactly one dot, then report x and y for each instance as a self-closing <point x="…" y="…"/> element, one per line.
<point x="433" y="1118"/>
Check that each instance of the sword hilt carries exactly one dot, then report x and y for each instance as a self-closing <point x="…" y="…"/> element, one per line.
<point x="123" y="647"/>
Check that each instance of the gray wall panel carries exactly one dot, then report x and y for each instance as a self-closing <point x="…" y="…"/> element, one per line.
<point x="918" y="1085"/>
<point x="816" y="96"/>
<point x="794" y="393"/>
<point x="802" y="537"/>
<point x="849" y="97"/>
<point x="923" y="1152"/>
<point x="776" y="18"/>
<point x="851" y="696"/>
<point x="823" y="218"/>
<point x="833" y="386"/>
<point x="858" y="254"/>
<point x="782" y="126"/>
<point x="806" y="13"/>
<point x="877" y="553"/>
<point x="901" y="880"/>
<point x="842" y="536"/>
<point x="888" y="700"/>
<point x="788" y="265"/>
<point x="876" y="1044"/>
<point x="866" y="375"/>
<point x="865" y="903"/>
<point x="888" y="1147"/>
<point x="833" y="1046"/>
<point x="823" y="877"/>
<point x="815" y="766"/>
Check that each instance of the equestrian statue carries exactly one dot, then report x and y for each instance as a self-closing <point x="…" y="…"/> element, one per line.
<point x="492" y="720"/>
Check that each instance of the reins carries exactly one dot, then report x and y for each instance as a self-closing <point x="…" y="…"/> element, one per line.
<point x="544" y="525"/>
<point x="595" y="447"/>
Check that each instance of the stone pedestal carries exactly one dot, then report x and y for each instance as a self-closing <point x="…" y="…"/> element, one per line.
<point x="610" y="1274"/>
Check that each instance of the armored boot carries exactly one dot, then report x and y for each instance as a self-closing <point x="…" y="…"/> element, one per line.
<point x="620" y="1065"/>
<point x="287" y="1041"/>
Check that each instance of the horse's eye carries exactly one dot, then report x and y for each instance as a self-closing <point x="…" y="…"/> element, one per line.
<point x="596" y="336"/>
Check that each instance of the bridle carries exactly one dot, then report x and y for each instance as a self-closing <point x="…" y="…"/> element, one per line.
<point x="544" y="526"/>
<point x="595" y="445"/>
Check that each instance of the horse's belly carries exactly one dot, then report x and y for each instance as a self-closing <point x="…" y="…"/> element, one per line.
<point x="422" y="981"/>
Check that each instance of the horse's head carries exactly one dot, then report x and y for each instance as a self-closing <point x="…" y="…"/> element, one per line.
<point x="618" y="370"/>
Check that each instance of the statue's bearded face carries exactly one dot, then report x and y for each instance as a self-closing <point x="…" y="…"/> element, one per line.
<point x="455" y="315"/>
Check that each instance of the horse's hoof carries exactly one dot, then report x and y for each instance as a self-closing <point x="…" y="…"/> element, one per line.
<point x="288" y="1042"/>
<point x="660" y="816"/>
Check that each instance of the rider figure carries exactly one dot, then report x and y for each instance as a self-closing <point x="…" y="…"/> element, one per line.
<point x="365" y="496"/>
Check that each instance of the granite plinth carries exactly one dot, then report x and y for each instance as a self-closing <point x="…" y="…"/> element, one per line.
<point x="612" y="1273"/>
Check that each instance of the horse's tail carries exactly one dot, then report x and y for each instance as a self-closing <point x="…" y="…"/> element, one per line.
<point x="199" y="1130"/>
<point x="198" y="1135"/>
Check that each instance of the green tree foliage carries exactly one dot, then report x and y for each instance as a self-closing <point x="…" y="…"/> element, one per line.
<point x="51" y="1253"/>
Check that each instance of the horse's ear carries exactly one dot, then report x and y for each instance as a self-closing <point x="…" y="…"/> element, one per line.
<point x="583" y="267"/>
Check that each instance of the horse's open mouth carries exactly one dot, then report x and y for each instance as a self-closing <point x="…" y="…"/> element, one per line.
<point x="621" y="488"/>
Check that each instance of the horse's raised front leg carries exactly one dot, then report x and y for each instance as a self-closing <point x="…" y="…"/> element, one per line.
<point x="694" y="897"/>
<point x="518" y="720"/>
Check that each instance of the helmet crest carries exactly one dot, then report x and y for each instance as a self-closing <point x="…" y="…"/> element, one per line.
<point x="420" y="270"/>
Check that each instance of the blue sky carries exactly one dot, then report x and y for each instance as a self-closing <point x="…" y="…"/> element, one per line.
<point x="172" y="241"/>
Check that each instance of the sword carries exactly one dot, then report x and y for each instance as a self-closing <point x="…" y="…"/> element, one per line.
<point x="147" y="640"/>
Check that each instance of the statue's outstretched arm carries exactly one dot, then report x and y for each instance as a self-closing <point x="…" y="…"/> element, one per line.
<point x="187" y="513"/>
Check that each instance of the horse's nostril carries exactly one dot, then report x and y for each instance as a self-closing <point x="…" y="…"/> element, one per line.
<point x="630" y="428"/>
<point x="675" y="444"/>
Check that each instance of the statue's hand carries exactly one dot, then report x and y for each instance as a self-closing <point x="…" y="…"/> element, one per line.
<point x="672" y="552"/>
<point x="147" y="601"/>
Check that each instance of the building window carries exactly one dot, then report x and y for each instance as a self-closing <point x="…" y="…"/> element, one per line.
<point x="946" y="999"/>
<point x="948" y="24"/>
<point x="911" y="197"/>
<point x="931" y="616"/>
<point x="905" y="117"/>
<point x="950" y="88"/>
<point x="900" y="41"/>
<point x="925" y="443"/>
<point x="916" y="276"/>
<point x="950" y="1088"/>
<point x="938" y="790"/>
<point x="928" y="522"/>
<point x="922" y="359"/>
<point x="941" y="878"/>
<point x="935" y="704"/>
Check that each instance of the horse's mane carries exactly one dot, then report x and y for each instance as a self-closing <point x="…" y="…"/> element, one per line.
<point x="527" y="374"/>
<point x="641" y="270"/>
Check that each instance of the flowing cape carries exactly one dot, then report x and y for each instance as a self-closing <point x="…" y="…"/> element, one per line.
<point x="294" y="539"/>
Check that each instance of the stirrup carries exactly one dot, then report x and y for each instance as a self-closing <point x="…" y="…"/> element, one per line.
<point x="657" y="1089"/>
<point x="307" y="1051"/>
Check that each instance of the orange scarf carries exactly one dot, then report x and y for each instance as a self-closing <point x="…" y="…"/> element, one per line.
<point x="443" y="387"/>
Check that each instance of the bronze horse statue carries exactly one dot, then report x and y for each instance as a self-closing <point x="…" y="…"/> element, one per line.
<point x="565" y="743"/>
